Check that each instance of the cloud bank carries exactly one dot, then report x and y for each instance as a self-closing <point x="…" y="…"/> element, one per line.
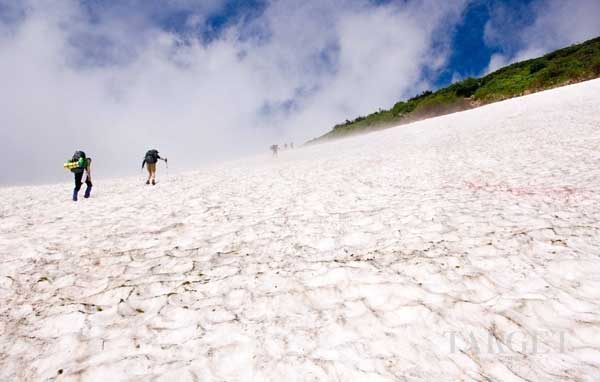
<point x="108" y="78"/>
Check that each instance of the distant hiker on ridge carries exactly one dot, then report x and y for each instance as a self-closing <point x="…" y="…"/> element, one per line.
<point x="275" y="149"/>
<point x="150" y="161"/>
<point x="79" y="164"/>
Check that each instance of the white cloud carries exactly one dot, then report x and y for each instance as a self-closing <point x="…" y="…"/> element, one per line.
<point x="555" y="24"/>
<point x="456" y="77"/>
<point x="116" y="84"/>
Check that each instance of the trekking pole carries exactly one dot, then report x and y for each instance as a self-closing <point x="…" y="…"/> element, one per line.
<point x="167" y="163"/>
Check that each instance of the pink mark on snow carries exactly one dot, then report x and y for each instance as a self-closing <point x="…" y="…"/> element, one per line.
<point x="565" y="193"/>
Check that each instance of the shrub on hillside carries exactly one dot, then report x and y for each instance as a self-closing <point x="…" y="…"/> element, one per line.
<point x="425" y="94"/>
<point x="403" y="107"/>
<point x="467" y="87"/>
<point x="549" y="76"/>
<point x="536" y="66"/>
<point x="595" y="66"/>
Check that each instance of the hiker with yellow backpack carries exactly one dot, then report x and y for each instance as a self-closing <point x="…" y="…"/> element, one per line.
<point x="78" y="165"/>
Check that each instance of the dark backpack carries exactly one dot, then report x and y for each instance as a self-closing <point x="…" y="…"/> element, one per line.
<point x="78" y="155"/>
<point x="81" y="159"/>
<point x="151" y="156"/>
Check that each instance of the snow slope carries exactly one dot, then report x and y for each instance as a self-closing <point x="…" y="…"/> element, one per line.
<point x="465" y="247"/>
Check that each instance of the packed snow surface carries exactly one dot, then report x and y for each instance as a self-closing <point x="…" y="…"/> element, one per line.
<point x="465" y="247"/>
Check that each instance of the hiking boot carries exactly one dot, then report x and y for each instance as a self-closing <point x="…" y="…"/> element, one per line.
<point x="148" y="182"/>
<point x="88" y="190"/>
<point x="153" y="182"/>
<point x="75" y="195"/>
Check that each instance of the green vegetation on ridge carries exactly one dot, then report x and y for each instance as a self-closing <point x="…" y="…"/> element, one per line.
<point x="565" y="66"/>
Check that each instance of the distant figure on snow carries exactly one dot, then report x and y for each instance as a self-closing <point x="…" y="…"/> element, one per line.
<point x="80" y="164"/>
<point x="274" y="149"/>
<point x="285" y="146"/>
<point x="291" y="145"/>
<point x="150" y="161"/>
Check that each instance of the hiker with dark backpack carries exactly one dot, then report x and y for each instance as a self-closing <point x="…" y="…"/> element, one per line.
<point x="80" y="164"/>
<point x="150" y="161"/>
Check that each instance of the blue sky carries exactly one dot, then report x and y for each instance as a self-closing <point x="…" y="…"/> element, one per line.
<point x="217" y="79"/>
<point x="470" y="54"/>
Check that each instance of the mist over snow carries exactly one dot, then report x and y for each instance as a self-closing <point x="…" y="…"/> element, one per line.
<point x="204" y="81"/>
<point x="115" y="84"/>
